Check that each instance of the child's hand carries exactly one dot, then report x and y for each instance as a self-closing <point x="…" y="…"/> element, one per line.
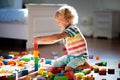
<point x="35" y="40"/>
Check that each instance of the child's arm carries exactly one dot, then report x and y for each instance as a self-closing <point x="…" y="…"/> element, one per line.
<point x="51" y="38"/>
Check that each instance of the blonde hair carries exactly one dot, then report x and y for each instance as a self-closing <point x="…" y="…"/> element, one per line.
<point x="69" y="13"/>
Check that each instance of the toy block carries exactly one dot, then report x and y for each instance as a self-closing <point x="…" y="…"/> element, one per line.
<point x="5" y="62"/>
<point x="13" y="63"/>
<point x="28" y="77"/>
<point x="90" y="56"/>
<point x="24" y="52"/>
<point x="90" y="77"/>
<point x="23" y="72"/>
<point x="59" y="69"/>
<point x="11" y="77"/>
<point x="51" y="76"/>
<point x="119" y="65"/>
<point x="61" y="78"/>
<point x="97" y="57"/>
<point x="36" y="60"/>
<point x="96" y="69"/>
<point x="104" y="63"/>
<point x="6" y="56"/>
<point x="48" y="61"/>
<point x="101" y="64"/>
<point x="42" y="60"/>
<point x="35" y="46"/>
<point x="41" y="78"/>
<point x="35" y="53"/>
<point x="98" y="64"/>
<point x="102" y="71"/>
<point x="86" y="71"/>
<point x="36" y="67"/>
<point x="77" y="71"/>
<point x="84" y="78"/>
<point x="44" y="73"/>
<point x="111" y="71"/>
<point x="60" y="74"/>
<point x="1" y="63"/>
<point x="70" y="75"/>
<point x="79" y="75"/>
<point x="26" y="59"/>
<point x="40" y="71"/>
<point x="53" y="70"/>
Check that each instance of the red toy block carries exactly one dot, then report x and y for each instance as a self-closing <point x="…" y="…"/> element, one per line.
<point x="102" y="71"/>
<point x="119" y="65"/>
<point x="60" y="69"/>
<point x="70" y="75"/>
<point x="35" y="46"/>
<point x="53" y="70"/>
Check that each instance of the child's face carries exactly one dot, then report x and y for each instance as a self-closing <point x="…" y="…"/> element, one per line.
<point x="62" y="23"/>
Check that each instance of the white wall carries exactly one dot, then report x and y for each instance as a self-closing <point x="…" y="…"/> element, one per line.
<point x="85" y="9"/>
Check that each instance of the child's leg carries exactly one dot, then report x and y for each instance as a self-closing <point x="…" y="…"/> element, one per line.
<point x="60" y="62"/>
<point x="86" y="65"/>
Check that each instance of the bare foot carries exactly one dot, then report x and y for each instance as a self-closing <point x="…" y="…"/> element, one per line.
<point x="67" y="68"/>
<point x="85" y="66"/>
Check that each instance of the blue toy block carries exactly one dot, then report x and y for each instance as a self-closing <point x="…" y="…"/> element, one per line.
<point x="39" y="78"/>
<point x="36" y="67"/>
<point x="60" y="74"/>
<point x="23" y="72"/>
<point x="5" y="62"/>
<point x="6" y="56"/>
<point x="48" y="61"/>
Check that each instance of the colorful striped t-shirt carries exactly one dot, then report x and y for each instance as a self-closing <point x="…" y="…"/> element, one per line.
<point x="76" y="43"/>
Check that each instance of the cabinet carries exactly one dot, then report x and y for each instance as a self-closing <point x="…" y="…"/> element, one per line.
<point x="106" y="24"/>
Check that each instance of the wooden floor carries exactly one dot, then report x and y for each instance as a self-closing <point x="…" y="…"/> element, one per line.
<point x="107" y="50"/>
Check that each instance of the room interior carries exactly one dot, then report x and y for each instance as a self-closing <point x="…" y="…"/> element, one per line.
<point x="99" y="21"/>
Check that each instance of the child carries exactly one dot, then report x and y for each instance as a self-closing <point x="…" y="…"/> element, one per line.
<point x="75" y="43"/>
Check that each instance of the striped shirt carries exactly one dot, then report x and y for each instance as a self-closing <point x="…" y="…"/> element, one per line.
<point x="76" y="43"/>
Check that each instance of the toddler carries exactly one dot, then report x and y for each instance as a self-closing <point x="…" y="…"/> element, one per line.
<point x="74" y="41"/>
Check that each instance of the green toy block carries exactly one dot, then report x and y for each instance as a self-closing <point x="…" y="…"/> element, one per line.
<point x="61" y="78"/>
<point x="77" y="71"/>
<point x="52" y="76"/>
<point x="85" y="72"/>
<point x="11" y="77"/>
<point x="44" y="73"/>
<point x="104" y="63"/>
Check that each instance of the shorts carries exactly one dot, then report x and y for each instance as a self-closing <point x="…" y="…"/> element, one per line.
<point x="71" y="61"/>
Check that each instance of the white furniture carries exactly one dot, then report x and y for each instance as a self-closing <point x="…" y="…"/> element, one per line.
<point x="106" y="24"/>
<point x="13" y="23"/>
<point x="41" y="20"/>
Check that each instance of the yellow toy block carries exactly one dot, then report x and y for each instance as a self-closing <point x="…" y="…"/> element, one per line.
<point x="35" y="53"/>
